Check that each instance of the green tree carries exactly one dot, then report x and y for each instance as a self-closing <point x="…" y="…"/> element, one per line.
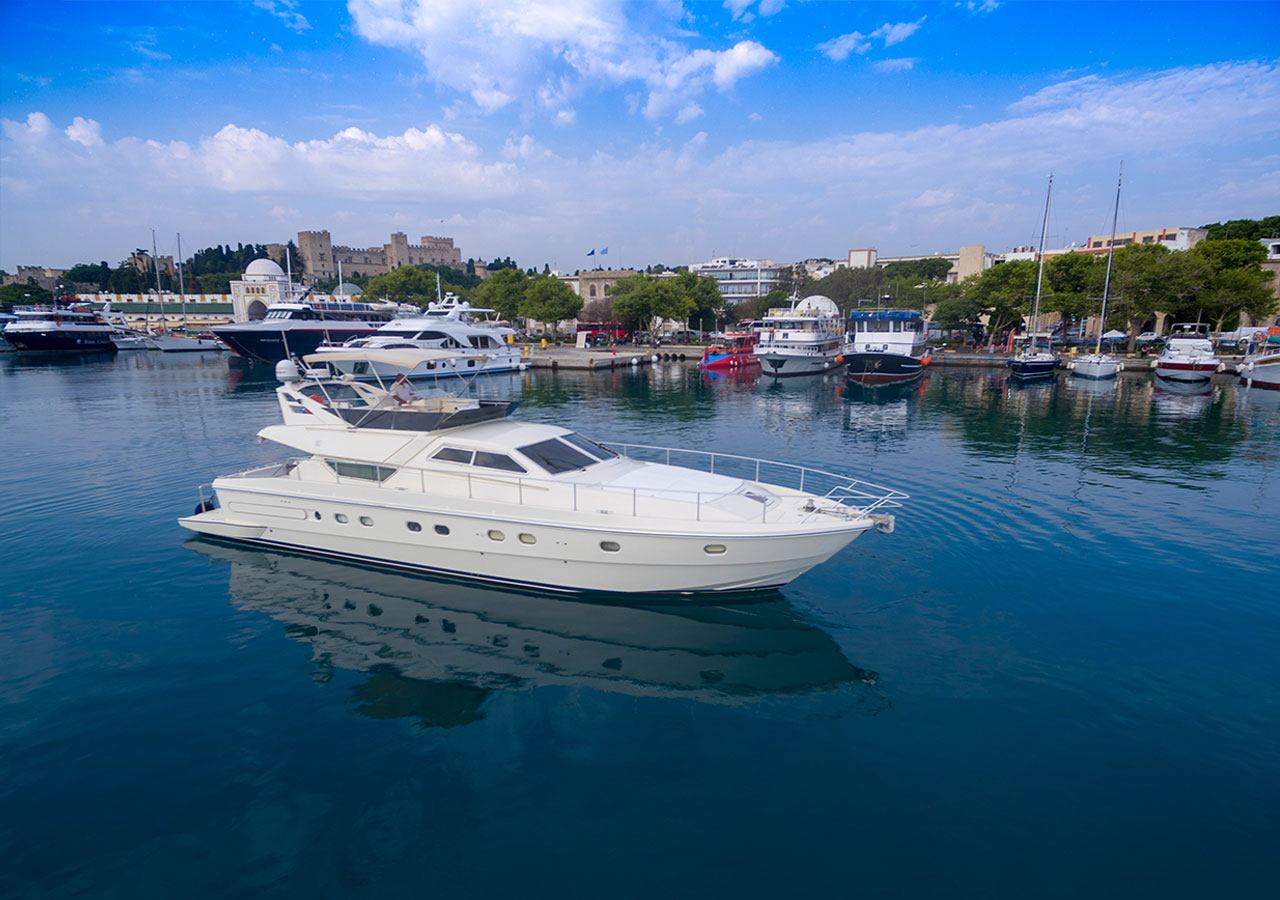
<point x="87" y="273"/>
<point x="917" y="270"/>
<point x="1005" y="293"/>
<point x="958" y="312"/>
<point x="847" y="286"/>
<point x="1138" y="285"/>
<point x="407" y="284"/>
<point x="708" y="305"/>
<point x="644" y="301"/>
<point x="504" y="291"/>
<point x="1236" y="283"/>
<point x="1246" y="229"/>
<point x="1070" y="278"/>
<point x="29" y="294"/>
<point x="549" y="300"/>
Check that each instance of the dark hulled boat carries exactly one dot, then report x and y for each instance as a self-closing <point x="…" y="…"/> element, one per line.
<point x="60" y="328"/>
<point x="885" y="347"/>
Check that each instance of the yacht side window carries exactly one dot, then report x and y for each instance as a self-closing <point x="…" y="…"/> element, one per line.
<point x="363" y="471"/>
<point x="556" y="456"/>
<point x="453" y="454"/>
<point x="497" y="461"/>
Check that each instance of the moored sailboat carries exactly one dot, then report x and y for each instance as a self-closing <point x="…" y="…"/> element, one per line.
<point x="1032" y="362"/>
<point x="1099" y="365"/>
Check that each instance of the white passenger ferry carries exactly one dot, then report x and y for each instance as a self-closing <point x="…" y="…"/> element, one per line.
<point x="803" y="339"/>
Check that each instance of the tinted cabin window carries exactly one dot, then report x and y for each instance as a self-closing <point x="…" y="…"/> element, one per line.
<point x="497" y="461"/>
<point x="453" y="454"/>
<point x="556" y="456"/>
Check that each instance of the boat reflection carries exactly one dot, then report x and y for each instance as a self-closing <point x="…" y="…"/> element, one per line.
<point x="436" y="650"/>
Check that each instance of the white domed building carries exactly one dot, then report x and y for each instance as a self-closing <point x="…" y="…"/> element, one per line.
<point x="264" y="283"/>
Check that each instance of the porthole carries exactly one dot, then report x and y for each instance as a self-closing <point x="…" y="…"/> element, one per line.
<point x="528" y="539"/>
<point x="713" y="549"/>
<point x="413" y="526"/>
<point x="495" y="535"/>
<point x="317" y="514"/>
<point x="341" y="517"/>
<point x="609" y="546"/>
<point x="365" y="520"/>
<point x="442" y="529"/>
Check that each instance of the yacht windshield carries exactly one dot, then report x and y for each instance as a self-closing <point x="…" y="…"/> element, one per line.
<point x="588" y="446"/>
<point x="556" y="456"/>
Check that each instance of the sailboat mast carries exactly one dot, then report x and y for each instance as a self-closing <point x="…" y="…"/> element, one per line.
<point x="1044" y="227"/>
<point x="1111" y="250"/>
<point x="182" y="288"/>
<point x="155" y="264"/>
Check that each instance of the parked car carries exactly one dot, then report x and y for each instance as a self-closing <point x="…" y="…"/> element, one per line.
<point x="1149" y="337"/>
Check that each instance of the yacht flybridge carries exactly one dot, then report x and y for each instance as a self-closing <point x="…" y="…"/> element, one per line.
<point x="449" y="484"/>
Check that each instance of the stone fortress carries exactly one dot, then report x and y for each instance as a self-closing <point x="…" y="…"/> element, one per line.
<point x="321" y="256"/>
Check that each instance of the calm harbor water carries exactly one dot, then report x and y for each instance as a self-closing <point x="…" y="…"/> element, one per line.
<point x="1057" y="678"/>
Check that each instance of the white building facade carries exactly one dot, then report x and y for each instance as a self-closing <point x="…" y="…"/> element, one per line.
<point x="741" y="279"/>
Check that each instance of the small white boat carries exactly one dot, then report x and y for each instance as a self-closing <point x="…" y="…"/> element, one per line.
<point x="1261" y="366"/>
<point x="1188" y="355"/>
<point x="451" y="485"/>
<point x="804" y="339"/>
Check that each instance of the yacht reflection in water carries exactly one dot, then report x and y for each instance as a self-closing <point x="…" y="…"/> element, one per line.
<point x="435" y="650"/>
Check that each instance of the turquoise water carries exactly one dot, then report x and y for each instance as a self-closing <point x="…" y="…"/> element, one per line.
<point x="1057" y="678"/>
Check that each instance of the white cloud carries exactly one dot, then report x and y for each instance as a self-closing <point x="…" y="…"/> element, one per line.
<point x="896" y="34"/>
<point x="85" y="131"/>
<point x="903" y="64"/>
<point x="839" y="49"/>
<point x="739" y="8"/>
<point x="285" y="11"/>
<point x="937" y="186"/>
<point x="688" y="114"/>
<point x="542" y="54"/>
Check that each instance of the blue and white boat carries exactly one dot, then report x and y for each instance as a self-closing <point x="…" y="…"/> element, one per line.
<point x="885" y="347"/>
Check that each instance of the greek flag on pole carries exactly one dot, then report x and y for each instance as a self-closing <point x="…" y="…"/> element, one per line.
<point x="604" y="251"/>
<point x="593" y="252"/>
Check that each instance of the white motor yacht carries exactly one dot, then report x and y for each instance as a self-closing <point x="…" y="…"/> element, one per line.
<point x="447" y="324"/>
<point x="1188" y="355"/>
<point x="452" y="485"/>
<point x="803" y="339"/>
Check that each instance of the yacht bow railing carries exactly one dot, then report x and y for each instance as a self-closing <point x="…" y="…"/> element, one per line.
<point x="864" y="496"/>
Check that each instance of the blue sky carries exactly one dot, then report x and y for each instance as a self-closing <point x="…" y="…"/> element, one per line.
<point x="668" y="132"/>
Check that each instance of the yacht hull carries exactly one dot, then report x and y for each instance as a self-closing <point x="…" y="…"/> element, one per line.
<point x="1028" y="370"/>
<point x="268" y="344"/>
<point x="1186" y="372"/>
<point x="786" y="365"/>
<point x="883" y="368"/>
<point x="1261" y="373"/>
<point x="61" y="341"/>
<point x="1095" y="368"/>
<point x="496" y="548"/>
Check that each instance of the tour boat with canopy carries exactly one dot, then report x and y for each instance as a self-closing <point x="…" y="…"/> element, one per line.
<point x="453" y="485"/>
